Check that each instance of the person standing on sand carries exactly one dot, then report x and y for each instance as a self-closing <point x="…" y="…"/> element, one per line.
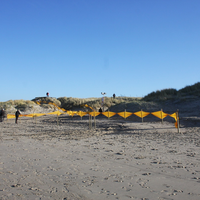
<point x="17" y="114"/>
<point x="3" y="114"/>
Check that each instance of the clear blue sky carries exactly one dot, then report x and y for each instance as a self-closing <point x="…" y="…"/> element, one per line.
<point x="80" y="48"/>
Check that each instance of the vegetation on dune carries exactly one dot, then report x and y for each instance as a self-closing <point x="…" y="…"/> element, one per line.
<point x="168" y="94"/>
<point x="149" y="102"/>
<point x="134" y="105"/>
<point x="26" y="105"/>
<point x="161" y="95"/>
<point x="68" y="102"/>
<point x="190" y="90"/>
<point x="21" y="104"/>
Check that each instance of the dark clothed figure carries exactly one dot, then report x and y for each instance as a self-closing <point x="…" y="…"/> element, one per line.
<point x="2" y="115"/>
<point x="47" y="94"/>
<point x="17" y="114"/>
<point x="113" y="96"/>
<point x="100" y="110"/>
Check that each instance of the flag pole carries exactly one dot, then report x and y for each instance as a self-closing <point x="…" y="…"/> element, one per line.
<point x="178" y="123"/>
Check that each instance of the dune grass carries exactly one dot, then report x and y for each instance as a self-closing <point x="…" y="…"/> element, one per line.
<point x="16" y="104"/>
<point x="171" y="93"/>
<point x="69" y="103"/>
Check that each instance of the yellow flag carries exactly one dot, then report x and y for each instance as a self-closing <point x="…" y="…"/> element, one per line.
<point x="109" y="114"/>
<point x="125" y="114"/>
<point x="69" y="112"/>
<point x="81" y="113"/>
<point x="94" y="114"/>
<point x="74" y="113"/>
<point x="141" y="114"/>
<point x="160" y="114"/>
<point x="174" y="116"/>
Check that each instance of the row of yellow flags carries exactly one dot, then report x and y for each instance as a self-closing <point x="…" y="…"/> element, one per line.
<point x="125" y="114"/>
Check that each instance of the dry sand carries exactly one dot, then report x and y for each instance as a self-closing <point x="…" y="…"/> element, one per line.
<point x="121" y="159"/>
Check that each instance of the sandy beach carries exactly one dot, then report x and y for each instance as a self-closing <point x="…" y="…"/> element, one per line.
<point x="120" y="159"/>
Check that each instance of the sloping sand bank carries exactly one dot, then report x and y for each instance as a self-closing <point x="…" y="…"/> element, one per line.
<point x="119" y="160"/>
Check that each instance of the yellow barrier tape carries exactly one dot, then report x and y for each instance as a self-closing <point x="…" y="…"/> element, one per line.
<point x="88" y="106"/>
<point x="125" y="114"/>
<point x="38" y="114"/>
<point x="54" y="105"/>
<point x="69" y="112"/>
<point x="63" y="109"/>
<point x="22" y="115"/>
<point x="72" y="113"/>
<point x="55" y="113"/>
<point x="29" y="115"/>
<point x="160" y="114"/>
<point x="141" y="114"/>
<point x="33" y="115"/>
<point x="174" y="115"/>
<point x="94" y="114"/>
<point x="51" y="103"/>
<point x="81" y="113"/>
<point x="59" y="113"/>
<point x="9" y="116"/>
<point x="108" y="114"/>
<point x="37" y="102"/>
